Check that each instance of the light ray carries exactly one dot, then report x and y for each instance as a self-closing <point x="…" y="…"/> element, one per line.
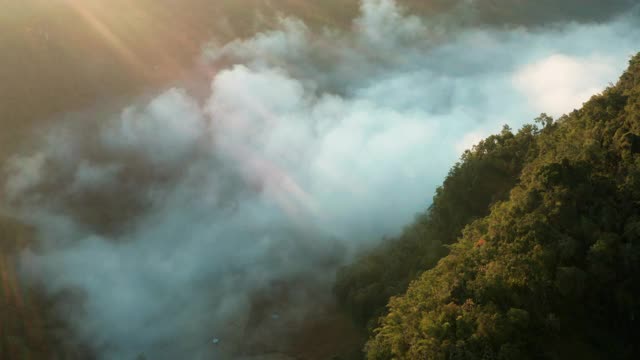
<point x="116" y="44"/>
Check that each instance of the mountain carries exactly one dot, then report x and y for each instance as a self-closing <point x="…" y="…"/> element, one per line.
<point x="530" y="250"/>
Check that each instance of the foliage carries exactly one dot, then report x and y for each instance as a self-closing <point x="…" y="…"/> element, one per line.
<point x="552" y="271"/>
<point x="482" y="177"/>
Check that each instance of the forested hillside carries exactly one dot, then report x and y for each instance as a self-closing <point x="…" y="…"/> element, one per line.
<point x="531" y="246"/>
<point x="530" y="250"/>
<point x="483" y="177"/>
<point x="213" y="179"/>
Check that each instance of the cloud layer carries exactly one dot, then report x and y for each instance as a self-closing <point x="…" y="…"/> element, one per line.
<point x="169" y="216"/>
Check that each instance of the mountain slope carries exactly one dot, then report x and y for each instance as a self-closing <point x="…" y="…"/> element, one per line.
<point x="550" y="273"/>
<point x="481" y="178"/>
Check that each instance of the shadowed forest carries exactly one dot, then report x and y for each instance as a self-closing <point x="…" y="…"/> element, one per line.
<point x="204" y="221"/>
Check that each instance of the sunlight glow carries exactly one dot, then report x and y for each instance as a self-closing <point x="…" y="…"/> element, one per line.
<point x="116" y="43"/>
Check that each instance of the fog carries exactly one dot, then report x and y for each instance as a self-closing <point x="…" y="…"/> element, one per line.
<point x="167" y="217"/>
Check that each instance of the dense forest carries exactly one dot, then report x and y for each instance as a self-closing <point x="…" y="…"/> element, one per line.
<point x="530" y="250"/>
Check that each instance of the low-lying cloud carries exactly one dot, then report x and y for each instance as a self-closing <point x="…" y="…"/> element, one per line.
<point x="168" y="216"/>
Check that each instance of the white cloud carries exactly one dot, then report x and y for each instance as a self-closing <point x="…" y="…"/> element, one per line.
<point x="24" y="172"/>
<point x="469" y="140"/>
<point x="560" y="83"/>
<point x="308" y="147"/>
<point x="166" y="130"/>
<point x="90" y="176"/>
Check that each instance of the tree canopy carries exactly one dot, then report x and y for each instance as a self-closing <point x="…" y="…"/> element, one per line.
<point x="530" y="250"/>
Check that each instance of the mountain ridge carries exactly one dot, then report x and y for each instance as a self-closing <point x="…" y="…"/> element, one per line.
<point x="551" y="271"/>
